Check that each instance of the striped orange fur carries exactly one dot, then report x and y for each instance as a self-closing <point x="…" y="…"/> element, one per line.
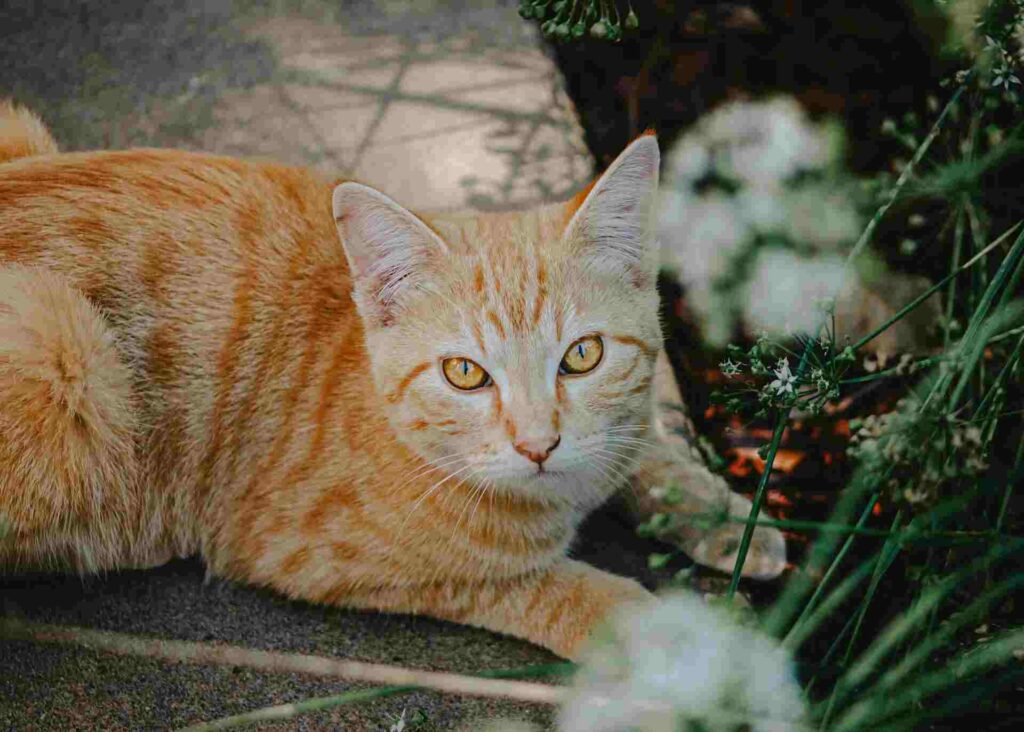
<point x="200" y="355"/>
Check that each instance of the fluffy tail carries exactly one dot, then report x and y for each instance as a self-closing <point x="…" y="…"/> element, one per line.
<point x="22" y="133"/>
<point x="67" y="464"/>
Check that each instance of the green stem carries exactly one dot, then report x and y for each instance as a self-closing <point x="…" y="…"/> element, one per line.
<point x="1000" y="378"/>
<point x="936" y="287"/>
<point x="755" y="509"/>
<point x="287" y="711"/>
<point x="978" y="239"/>
<point x="863" y="714"/>
<point x="958" y="242"/>
<point x="827" y="658"/>
<point x="889" y="553"/>
<point x="896" y="631"/>
<point x="799" y="586"/>
<point x="1018" y="464"/>
<point x="1008" y="334"/>
<point x="709" y="520"/>
<point x="974" y="613"/>
<point x="894" y="371"/>
<point x="885" y="560"/>
<point x="833" y="567"/>
<point x="804" y="627"/>
<point x="980" y="316"/>
<point x="869" y="230"/>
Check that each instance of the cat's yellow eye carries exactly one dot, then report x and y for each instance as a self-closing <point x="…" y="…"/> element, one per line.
<point x="464" y="374"/>
<point x="582" y="356"/>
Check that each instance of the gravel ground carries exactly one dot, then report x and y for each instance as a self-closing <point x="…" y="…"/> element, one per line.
<point x="49" y="687"/>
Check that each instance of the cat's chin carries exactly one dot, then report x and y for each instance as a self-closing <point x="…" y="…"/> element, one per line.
<point x="579" y="488"/>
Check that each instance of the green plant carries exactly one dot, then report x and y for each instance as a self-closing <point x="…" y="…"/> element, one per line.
<point x="566" y="20"/>
<point x="901" y="622"/>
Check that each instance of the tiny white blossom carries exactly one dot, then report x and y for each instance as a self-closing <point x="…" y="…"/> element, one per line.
<point x="784" y="378"/>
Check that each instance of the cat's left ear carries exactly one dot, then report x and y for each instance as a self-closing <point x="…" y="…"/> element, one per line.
<point x="388" y="249"/>
<point x="612" y="226"/>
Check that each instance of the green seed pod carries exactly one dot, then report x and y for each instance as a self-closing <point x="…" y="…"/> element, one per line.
<point x="599" y="29"/>
<point x="659" y="521"/>
<point x="547" y="27"/>
<point x="579" y="29"/>
<point x="562" y="31"/>
<point x="560" y="5"/>
<point x="657" y="561"/>
<point x="615" y="33"/>
<point x="632" y="22"/>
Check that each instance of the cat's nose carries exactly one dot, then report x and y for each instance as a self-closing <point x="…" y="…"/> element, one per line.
<point x="536" y="450"/>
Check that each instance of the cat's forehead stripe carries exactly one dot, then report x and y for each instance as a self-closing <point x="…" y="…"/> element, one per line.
<point x="399" y="393"/>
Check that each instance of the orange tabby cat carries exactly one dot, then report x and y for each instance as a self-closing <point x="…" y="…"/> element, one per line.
<point x="368" y="408"/>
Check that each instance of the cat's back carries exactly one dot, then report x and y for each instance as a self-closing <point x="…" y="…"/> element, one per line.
<point x="125" y="205"/>
<point x="150" y="235"/>
<point x="226" y="293"/>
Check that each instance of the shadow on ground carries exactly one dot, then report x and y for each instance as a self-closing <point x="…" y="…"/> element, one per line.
<point x="442" y="105"/>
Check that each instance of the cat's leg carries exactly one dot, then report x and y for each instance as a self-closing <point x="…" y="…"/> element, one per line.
<point x="674" y="462"/>
<point x="345" y="558"/>
<point x="67" y="461"/>
<point x="558" y="608"/>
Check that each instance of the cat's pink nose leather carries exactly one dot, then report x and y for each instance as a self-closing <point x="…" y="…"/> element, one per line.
<point x="534" y="450"/>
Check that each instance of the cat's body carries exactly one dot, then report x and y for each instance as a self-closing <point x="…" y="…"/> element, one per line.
<point x="191" y="363"/>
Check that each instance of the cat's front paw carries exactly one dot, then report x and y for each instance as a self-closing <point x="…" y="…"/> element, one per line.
<point x="707" y="520"/>
<point x="589" y="601"/>
<point x="719" y="548"/>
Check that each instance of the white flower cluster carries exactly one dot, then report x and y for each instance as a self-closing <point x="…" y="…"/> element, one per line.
<point x="680" y="664"/>
<point x="755" y="215"/>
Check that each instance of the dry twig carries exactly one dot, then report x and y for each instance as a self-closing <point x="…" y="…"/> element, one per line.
<point x="276" y="662"/>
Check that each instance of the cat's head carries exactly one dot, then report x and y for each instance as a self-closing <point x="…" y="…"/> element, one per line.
<point x="515" y="350"/>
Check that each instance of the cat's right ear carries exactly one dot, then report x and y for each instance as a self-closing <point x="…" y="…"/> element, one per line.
<point x="388" y="249"/>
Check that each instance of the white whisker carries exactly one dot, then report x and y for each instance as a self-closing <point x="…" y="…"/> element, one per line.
<point x="431" y="466"/>
<point x="487" y="483"/>
<point x="427" y="493"/>
<point x="627" y="428"/>
<point x="626" y="462"/>
<point x="469" y="499"/>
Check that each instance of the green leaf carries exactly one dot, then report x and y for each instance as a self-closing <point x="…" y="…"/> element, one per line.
<point x="657" y="561"/>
